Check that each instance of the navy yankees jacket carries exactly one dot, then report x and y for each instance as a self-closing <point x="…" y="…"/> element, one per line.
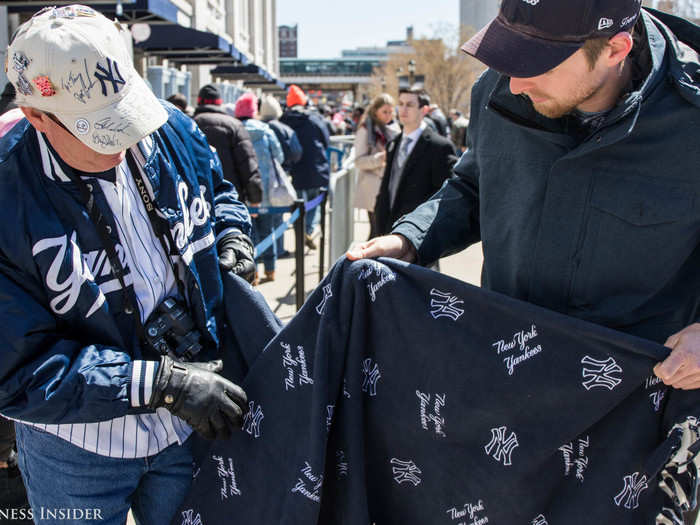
<point x="67" y="344"/>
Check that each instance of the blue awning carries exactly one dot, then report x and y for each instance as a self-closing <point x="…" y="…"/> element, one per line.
<point x="250" y="74"/>
<point x="184" y="45"/>
<point x="133" y="11"/>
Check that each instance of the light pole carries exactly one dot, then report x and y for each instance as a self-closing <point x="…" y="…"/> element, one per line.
<point x="411" y="73"/>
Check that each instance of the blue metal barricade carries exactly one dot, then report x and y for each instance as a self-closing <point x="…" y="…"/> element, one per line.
<point x="297" y="218"/>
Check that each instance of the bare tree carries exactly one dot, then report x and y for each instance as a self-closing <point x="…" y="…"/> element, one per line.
<point x="689" y="9"/>
<point x="449" y="73"/>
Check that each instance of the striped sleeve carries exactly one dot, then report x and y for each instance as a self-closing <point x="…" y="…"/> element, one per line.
<point x="143" y="376"/>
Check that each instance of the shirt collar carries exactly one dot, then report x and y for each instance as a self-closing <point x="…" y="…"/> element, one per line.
<point x="415" y="134"/>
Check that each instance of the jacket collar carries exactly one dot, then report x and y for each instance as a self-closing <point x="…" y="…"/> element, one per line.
<point x="683" y="41"/>
<point x="424" y="138"/>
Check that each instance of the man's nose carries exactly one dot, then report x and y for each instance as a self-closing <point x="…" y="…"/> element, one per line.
<point x="520" y="85"/>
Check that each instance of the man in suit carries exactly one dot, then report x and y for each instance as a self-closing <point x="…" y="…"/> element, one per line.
<point x="418" y="161"/>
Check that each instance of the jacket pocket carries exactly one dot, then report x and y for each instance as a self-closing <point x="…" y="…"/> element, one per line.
<point x="638" y="235"/>
<point x="641" y="203"/>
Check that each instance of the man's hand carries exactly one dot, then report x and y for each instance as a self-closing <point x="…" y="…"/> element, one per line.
<point x="681" y="369"/>
<point x="211" y="405"/>
<point x="236" y="255"/>
<point x="394" y="246"/>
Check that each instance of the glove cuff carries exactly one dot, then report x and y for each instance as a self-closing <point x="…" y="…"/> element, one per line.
<point x="169" y="384"/>
<point x="235" y="236"/>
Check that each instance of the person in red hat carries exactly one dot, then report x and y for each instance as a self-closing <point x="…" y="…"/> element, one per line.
<point x="312" y="171"/>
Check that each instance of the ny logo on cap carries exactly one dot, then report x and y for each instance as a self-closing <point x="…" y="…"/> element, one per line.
<point x="532" y="2"/>
<point x="108" y="75"/>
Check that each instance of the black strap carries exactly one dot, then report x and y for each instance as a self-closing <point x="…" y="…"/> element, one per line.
<point x="103" y="230"/>
<point x="158" y="223"/>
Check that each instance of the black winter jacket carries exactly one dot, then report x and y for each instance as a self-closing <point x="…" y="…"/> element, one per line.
<point x="313" y="170"/>
<point x="235" y="149"/>
<point x="607" y="228"/>
<point x="289" y="141"/>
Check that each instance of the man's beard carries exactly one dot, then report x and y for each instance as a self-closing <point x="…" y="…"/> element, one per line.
<point x="558" y="108"/>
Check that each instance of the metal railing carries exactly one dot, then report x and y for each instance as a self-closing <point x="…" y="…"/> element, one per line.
<point x="341" y="189"/>
<point x="340" y="195"/>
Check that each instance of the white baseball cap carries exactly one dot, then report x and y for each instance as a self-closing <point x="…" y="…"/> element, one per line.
<point x="73" y="62"/>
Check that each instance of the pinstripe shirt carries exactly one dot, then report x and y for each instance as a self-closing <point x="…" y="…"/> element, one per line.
<point x="153" y="279"/>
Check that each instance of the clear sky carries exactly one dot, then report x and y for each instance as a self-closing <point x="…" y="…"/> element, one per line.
<point x="325" y="28"/>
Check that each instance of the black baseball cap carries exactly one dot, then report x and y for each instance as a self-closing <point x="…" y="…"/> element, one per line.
<point x="530" y="37"/>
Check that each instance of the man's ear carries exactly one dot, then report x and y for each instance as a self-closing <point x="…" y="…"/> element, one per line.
<point x="36" y="118"/>
<point x="424" y="110"/>
<point x="619" y="47"/>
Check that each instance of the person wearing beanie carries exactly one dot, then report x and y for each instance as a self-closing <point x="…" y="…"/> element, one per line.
<point x="246" y="106"/>
<point x="296" y="96"/>
<point x="312" y="171"/>
<point x="116" y="220"/>
<point x="227" y="135"/>
<point x="270" y="112"/>
<point x="268" y="151"/>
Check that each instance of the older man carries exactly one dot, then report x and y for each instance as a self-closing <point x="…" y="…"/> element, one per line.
<point x="116" y="220"/>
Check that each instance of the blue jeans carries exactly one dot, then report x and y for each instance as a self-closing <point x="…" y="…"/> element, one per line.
<point x="62" y="477"/>
<point x="313" y="217"/>
<point x="264" y="225"/>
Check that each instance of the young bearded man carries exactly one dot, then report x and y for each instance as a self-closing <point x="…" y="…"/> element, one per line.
<point x="582" y="180"/>
<point x="568" y="183"/>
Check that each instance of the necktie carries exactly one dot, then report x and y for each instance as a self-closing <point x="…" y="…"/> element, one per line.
<point x="397" y="170"/>
<point x="403" y="151"/>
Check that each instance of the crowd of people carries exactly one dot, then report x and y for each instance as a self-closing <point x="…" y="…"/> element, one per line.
<point x="125" y="215"/>
<point x="254" y="137"/>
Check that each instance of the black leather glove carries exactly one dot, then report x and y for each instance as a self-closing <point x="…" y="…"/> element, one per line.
<point x="236" y="254"/>
<point x="195" y="392"/>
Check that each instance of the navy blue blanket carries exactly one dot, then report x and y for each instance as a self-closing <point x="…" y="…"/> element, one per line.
<point x="399" y="395"/>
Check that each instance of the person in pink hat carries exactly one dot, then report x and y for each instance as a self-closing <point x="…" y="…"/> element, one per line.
<point x="267" y="150"/>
